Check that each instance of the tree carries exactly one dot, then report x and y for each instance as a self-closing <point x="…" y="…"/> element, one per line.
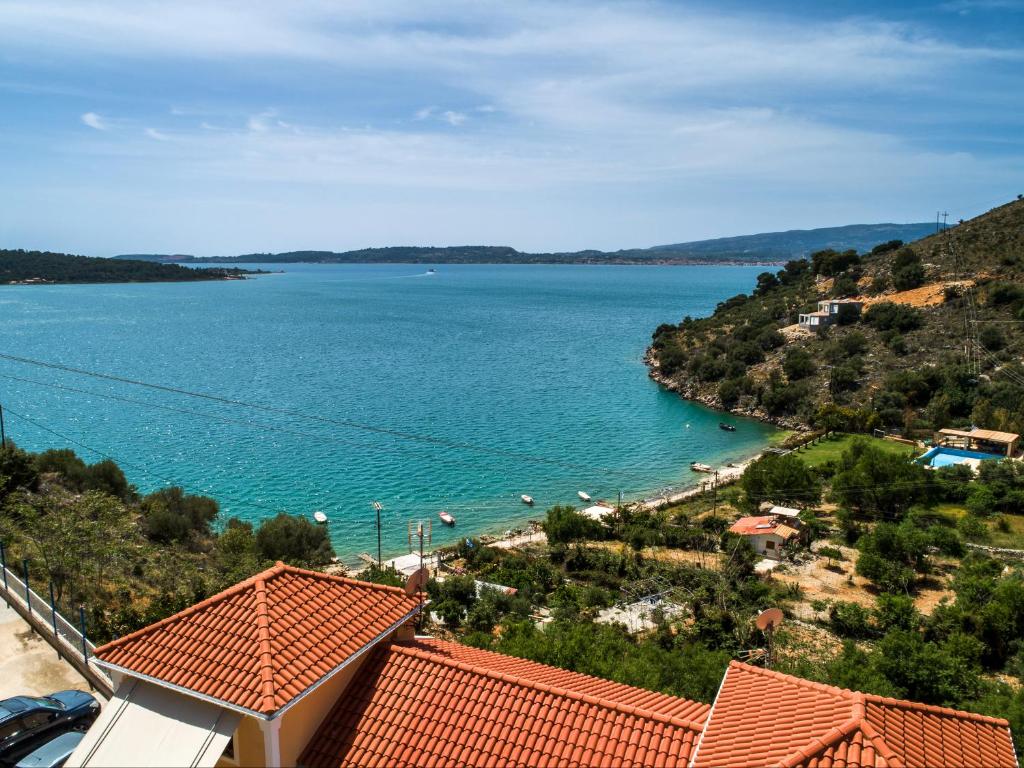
<point x="172" y="515"/>
<point x="907" y="270"/>
<point x="564" y="525"/>
<point x="781" y="479"/>
<point x="294" y="540"/>
<point x="78" y="540"/>
<point x="16" y="470"/>
<point x="235" y="553"/>
<point x="798" y="364"/>
<point x="875" y="483"/>
<point x="831" y="554"/>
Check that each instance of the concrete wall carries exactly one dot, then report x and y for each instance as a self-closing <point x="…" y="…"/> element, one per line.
<point x="759" y="543"/>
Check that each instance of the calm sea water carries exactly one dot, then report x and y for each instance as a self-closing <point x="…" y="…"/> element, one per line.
<point x="480" y="383"/>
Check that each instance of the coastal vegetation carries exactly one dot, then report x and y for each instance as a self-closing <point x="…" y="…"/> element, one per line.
<point x="128" y="558"/>
<point x="899" y="365"/>
<point x="892" y="548"/>
<point x="18" y="266"/>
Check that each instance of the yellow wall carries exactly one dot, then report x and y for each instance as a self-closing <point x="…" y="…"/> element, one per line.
<point x="301" y="721"/>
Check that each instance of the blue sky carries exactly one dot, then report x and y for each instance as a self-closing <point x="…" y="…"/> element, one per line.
<point x="228" y="127"/>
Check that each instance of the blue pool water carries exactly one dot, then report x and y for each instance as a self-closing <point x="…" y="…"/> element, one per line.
<point x="941" y="456"/>
<point x="527" y="379"/>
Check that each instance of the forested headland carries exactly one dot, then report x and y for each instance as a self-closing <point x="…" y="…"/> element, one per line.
<point x="899" y="365"/>
<point x="33" y="267"/>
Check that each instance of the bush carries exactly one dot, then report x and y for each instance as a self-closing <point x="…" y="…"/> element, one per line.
<point x="991" y="338"/>
<point x="294" y="540"/>
<point x="850" y="620"/>
<point x="886" y="316"/>
<point x="798" y="364"/>
<point x="907" y="270"/>
<point x="780" y="479"/>
<point x="17" y="470"/>
<point x="172" y="515"/>
<point x="830" y="263"/>
<point x="565" y="525"/>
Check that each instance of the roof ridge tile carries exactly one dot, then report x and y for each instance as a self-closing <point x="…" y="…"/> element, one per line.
<point x="625" y="709"/>
<point x="845" y="693"/>
<point x="268" y="689"/>
<point x="933" y="709"/>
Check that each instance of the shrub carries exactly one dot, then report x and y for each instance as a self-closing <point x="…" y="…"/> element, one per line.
<point x="886" y="315"/>
<point x="798" y="364"/>
<point x="172" y="515"/>
<point x="850" y="620"/>
<point x="295" y="540"/>
<point x="907" y="270"/>
<point x="564" y="525"/>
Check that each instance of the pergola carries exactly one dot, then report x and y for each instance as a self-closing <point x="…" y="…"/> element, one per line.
<point x="988" y="440"/>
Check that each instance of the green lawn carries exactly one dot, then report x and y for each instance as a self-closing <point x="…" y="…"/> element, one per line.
<point x="1013" y="538"/>
<point x="832" y="447"/>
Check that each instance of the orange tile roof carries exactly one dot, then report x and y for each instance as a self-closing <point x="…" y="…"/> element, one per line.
<point x="261" y="643"/>
<point x="429" y="703"/>
<point x="762" y="524"/>
<point x="763" y="718"/>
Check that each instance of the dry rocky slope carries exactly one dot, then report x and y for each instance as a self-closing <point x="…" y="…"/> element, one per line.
<point x="898" y="366"/>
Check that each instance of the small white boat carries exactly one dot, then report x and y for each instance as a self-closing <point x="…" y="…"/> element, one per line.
<point x="696" y="466"/>
<point x="527" y="499"/>
<point x="446" y="518"/>
<point x="320" y="517"/>
<point x="584" y="496"/>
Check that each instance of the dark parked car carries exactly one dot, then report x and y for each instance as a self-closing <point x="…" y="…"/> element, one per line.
<point x="54" y="753"/>
<point x="26" y="722"/>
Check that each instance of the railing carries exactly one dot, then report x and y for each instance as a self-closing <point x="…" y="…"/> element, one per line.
<point x="70" y="642"/>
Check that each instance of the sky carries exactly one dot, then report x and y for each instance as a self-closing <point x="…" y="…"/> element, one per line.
<point x="215" y="127"/>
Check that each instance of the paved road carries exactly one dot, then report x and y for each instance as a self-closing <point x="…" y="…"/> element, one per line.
<point x="28" y="664"/>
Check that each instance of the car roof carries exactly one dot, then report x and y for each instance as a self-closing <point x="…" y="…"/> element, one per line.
<point x="53" y="749"/>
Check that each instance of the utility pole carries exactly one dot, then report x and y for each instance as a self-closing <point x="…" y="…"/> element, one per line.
<point x="3" y="435"/>
<point x="377" y="506"/>
<point x="714" y="508"/>
<point x="944" y="215"/>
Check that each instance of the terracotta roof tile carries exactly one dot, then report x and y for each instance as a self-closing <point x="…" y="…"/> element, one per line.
<point x="264" y="641"/>
<point x="762" y="524"/>
<point x="495" y="710"/>
<point x="763" y="718"/>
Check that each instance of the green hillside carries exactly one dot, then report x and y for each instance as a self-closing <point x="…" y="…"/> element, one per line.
<point x="769" y="247"/>
<point x="900" y="366"/>
<point x="45" y="267"/>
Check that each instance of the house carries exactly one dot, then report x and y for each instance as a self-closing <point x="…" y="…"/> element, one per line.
<point x="761" y="718"/>
<point x="294" y="667"/>
<point x="767" y="534"/>
<point x="828" y="311"/>
<point x="767" y="508"/>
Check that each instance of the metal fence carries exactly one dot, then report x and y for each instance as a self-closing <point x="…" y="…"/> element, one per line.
<point x="70" y="641"/>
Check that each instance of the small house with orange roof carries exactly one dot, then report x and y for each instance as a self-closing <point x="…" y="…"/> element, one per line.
<point x="768" y="535"/>
<point x="294" y="667"/>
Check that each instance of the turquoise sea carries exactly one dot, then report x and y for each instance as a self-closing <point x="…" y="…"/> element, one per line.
<point x="459" y="390"/>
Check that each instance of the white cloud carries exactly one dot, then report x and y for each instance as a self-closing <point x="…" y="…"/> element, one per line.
<point x="153" y="133"/>
<point x="454" y="118"/>
<point x="424" y="113"/>
<point x="94" y="121"/>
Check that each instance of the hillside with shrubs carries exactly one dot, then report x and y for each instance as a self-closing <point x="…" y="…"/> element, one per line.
<point x="898" y="365"/>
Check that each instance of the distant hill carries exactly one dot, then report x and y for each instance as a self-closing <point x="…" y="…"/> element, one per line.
<point x="900" y="365"/>
<point x="29" y="267"/>
<point x="768" y="247"/>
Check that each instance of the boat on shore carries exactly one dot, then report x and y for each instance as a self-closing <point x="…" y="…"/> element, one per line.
<point x="527" y="499"/>
<point x="726" y="427"/>
<point x="320" y="517"/>
<point x="583" y="495"/>
<point x="696" y="466"/>
<point x="446" y="518"/>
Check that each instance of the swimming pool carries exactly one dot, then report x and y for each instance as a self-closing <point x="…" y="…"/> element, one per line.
<point x="941" y="456"/>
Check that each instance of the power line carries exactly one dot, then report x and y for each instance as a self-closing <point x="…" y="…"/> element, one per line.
<point x="348" y="423"/>
<point x="103" y="454"/>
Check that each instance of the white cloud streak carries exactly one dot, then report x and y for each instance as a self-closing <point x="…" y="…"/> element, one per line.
<point x="94" y="121"/>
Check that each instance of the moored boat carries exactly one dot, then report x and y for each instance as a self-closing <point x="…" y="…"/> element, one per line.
<point x="726" y="427"/>
<point x="583" y="495"/>
<point x="696" y="466"/>
<point x="527" y="499"/>
<point x="446" y="518"/>
<point x="320" y="517"/>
